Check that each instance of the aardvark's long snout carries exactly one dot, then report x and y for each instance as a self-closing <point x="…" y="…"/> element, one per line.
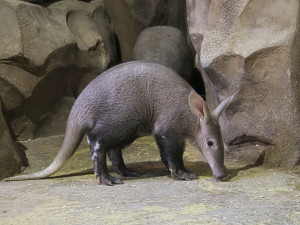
<point x="220" y="174"/>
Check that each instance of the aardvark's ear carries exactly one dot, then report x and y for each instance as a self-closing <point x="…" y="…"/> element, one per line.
<point x="223" y="105"/>
<point x="198" y="106"/>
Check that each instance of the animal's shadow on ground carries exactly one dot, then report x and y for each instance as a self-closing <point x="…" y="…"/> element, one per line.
<point x="259" y="161"/>
<point x="150" y="169"/>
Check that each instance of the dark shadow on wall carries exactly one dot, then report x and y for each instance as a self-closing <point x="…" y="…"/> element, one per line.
<point x="234" y="172"/>
<point x="47" y="3"/>
<point x="197" y="83"/>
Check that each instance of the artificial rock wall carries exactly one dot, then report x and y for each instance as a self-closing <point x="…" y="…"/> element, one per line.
<point x="253" y="46"/>
<point x="48" y="53"/>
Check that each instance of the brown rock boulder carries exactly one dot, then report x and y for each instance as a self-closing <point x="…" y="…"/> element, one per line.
<point x="45" y="52"/>
<point x="40" y="39"/>
<point x="10" y="96"/>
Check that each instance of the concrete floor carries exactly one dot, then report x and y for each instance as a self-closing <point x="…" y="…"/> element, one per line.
<point x="254" y="195"/>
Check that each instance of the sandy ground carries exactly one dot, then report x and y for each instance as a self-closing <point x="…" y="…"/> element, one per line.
<point x="254" y="195"/>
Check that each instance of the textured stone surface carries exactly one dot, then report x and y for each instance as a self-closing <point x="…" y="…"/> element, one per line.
<point x="38" y="25"/>
<point x="22" y="80"/>
<point x="40" y="39"/>
<point x="10" y="41"/>
<point x="45" y="52"/>
<point x="46" y="49"/>
<point x="9" y="159"/>
<point x="10" y="96"/>
<point x="254" y="195"/>
<point x="248" y="45"/>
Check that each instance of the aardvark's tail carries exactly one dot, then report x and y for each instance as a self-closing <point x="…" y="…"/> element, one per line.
<point x="73" y="137"/>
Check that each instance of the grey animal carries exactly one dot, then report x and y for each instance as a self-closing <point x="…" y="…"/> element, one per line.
<point x="167" y="46"/>
<point x="136" y="99"/>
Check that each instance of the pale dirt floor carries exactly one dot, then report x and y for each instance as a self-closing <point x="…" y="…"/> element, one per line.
<point x="254" y="195"/>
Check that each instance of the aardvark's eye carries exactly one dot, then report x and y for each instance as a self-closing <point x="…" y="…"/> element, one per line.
<point x="210" y="143"/>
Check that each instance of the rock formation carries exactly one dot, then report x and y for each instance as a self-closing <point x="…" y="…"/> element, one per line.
<point x="251" y="45"/>
<point x="48" y="53"/>
<point x="10" y="161"/>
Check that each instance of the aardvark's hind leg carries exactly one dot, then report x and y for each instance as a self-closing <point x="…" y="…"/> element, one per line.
<point x="100" y="166"/>
<point x="116" y="158"/>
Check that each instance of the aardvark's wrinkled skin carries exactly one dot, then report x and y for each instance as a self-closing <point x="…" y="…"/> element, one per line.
<point x="136" y="99"/>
